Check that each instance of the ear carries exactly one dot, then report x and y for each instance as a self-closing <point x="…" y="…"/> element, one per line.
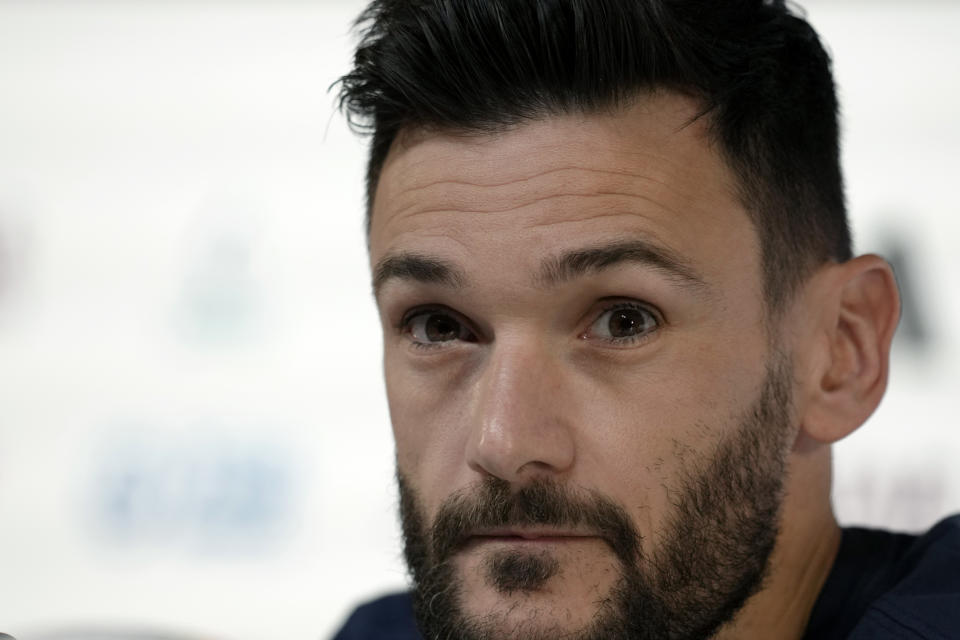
<point x="855" y="313"/>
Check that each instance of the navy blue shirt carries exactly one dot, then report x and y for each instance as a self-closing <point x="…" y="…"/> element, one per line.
<point x="883" y="586"/>
<point x="892" y="586"/>
<point x="388" y="618"/>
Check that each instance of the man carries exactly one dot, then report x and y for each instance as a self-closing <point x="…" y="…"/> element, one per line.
<point x="623" y="326"/>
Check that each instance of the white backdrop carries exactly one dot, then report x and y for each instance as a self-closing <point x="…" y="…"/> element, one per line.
<point x="193" y="435"/>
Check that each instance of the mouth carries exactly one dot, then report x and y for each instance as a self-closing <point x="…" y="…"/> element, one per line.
<point x="528" y="537"/>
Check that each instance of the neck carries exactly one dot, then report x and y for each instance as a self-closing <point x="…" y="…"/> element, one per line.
<point x="801" y="561"/>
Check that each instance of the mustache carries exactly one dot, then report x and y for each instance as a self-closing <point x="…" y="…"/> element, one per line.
<point x="495" y="503"/>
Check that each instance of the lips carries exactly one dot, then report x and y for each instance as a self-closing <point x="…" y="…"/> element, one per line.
<point x="529" y="536"/>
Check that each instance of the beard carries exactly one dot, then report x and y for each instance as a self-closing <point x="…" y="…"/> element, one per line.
<point x="714" y="555"/>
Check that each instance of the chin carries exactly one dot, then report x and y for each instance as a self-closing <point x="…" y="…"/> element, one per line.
<point x="532" y="618"/>
<point x="536" y="593"/>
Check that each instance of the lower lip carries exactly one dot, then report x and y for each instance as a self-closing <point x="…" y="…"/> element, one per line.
<point x="530" y="541"/>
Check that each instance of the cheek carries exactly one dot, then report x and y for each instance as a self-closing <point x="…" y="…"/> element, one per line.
<point x="650" y="438"/>
<point x="668" y="399"/>
<point x="647" y="428"/>
<point x="427" y="416"/>
<point x="407" y="418"/>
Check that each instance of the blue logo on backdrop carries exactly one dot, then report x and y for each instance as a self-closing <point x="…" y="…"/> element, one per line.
<point x="221" y="302"/>
<point x="206" y="494"/>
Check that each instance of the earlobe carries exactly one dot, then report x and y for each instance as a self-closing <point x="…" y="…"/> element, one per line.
<point x="860" y="308"/>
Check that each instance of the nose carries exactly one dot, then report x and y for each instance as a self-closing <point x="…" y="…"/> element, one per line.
<point x="519" y="429"/>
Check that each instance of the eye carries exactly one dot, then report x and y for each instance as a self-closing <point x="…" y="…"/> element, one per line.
<point x="623" y="324"/>
<point x="431" y="327"/>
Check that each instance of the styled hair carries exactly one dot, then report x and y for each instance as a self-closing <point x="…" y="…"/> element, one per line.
<point x="756" y="66"/>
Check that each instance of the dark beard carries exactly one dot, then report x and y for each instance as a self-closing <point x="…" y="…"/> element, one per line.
<point x="714" y="558"/>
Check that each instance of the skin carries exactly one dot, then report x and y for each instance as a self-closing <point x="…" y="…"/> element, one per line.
<point x="535" y="388"/>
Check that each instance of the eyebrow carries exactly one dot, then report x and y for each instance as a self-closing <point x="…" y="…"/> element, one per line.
<point x="416" y="267"/>
<point x="554" y="271"/>
<point x="580" y="262"/>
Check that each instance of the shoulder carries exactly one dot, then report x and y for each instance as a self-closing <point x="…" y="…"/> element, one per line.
<point x="386" y="618"/>
<point x="925" y="602"/>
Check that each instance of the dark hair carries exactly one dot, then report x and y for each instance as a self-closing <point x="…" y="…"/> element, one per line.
<point x="756" y="66"/>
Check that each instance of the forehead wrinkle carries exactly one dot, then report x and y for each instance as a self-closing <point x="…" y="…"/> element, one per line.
<point x="537" y="200"/>
<point x="606" y="212"/>
<point x="546" y="172"/>
<point x="465" y="195"/>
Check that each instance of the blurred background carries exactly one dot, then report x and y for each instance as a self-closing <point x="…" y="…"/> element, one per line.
<point x="193" y="435"/>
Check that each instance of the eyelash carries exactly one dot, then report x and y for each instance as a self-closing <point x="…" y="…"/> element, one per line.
<point x="657" y="323"/>
<point x="405" y="325"/>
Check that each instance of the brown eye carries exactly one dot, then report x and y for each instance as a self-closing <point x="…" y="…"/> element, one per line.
<point x="435" y="327"/>
<point x="623" y="323"/>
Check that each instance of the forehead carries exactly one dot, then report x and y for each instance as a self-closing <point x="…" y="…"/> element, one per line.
<point x="648" y="171"/>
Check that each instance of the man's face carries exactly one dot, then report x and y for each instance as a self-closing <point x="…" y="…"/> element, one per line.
<point x="591" y="425"/>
